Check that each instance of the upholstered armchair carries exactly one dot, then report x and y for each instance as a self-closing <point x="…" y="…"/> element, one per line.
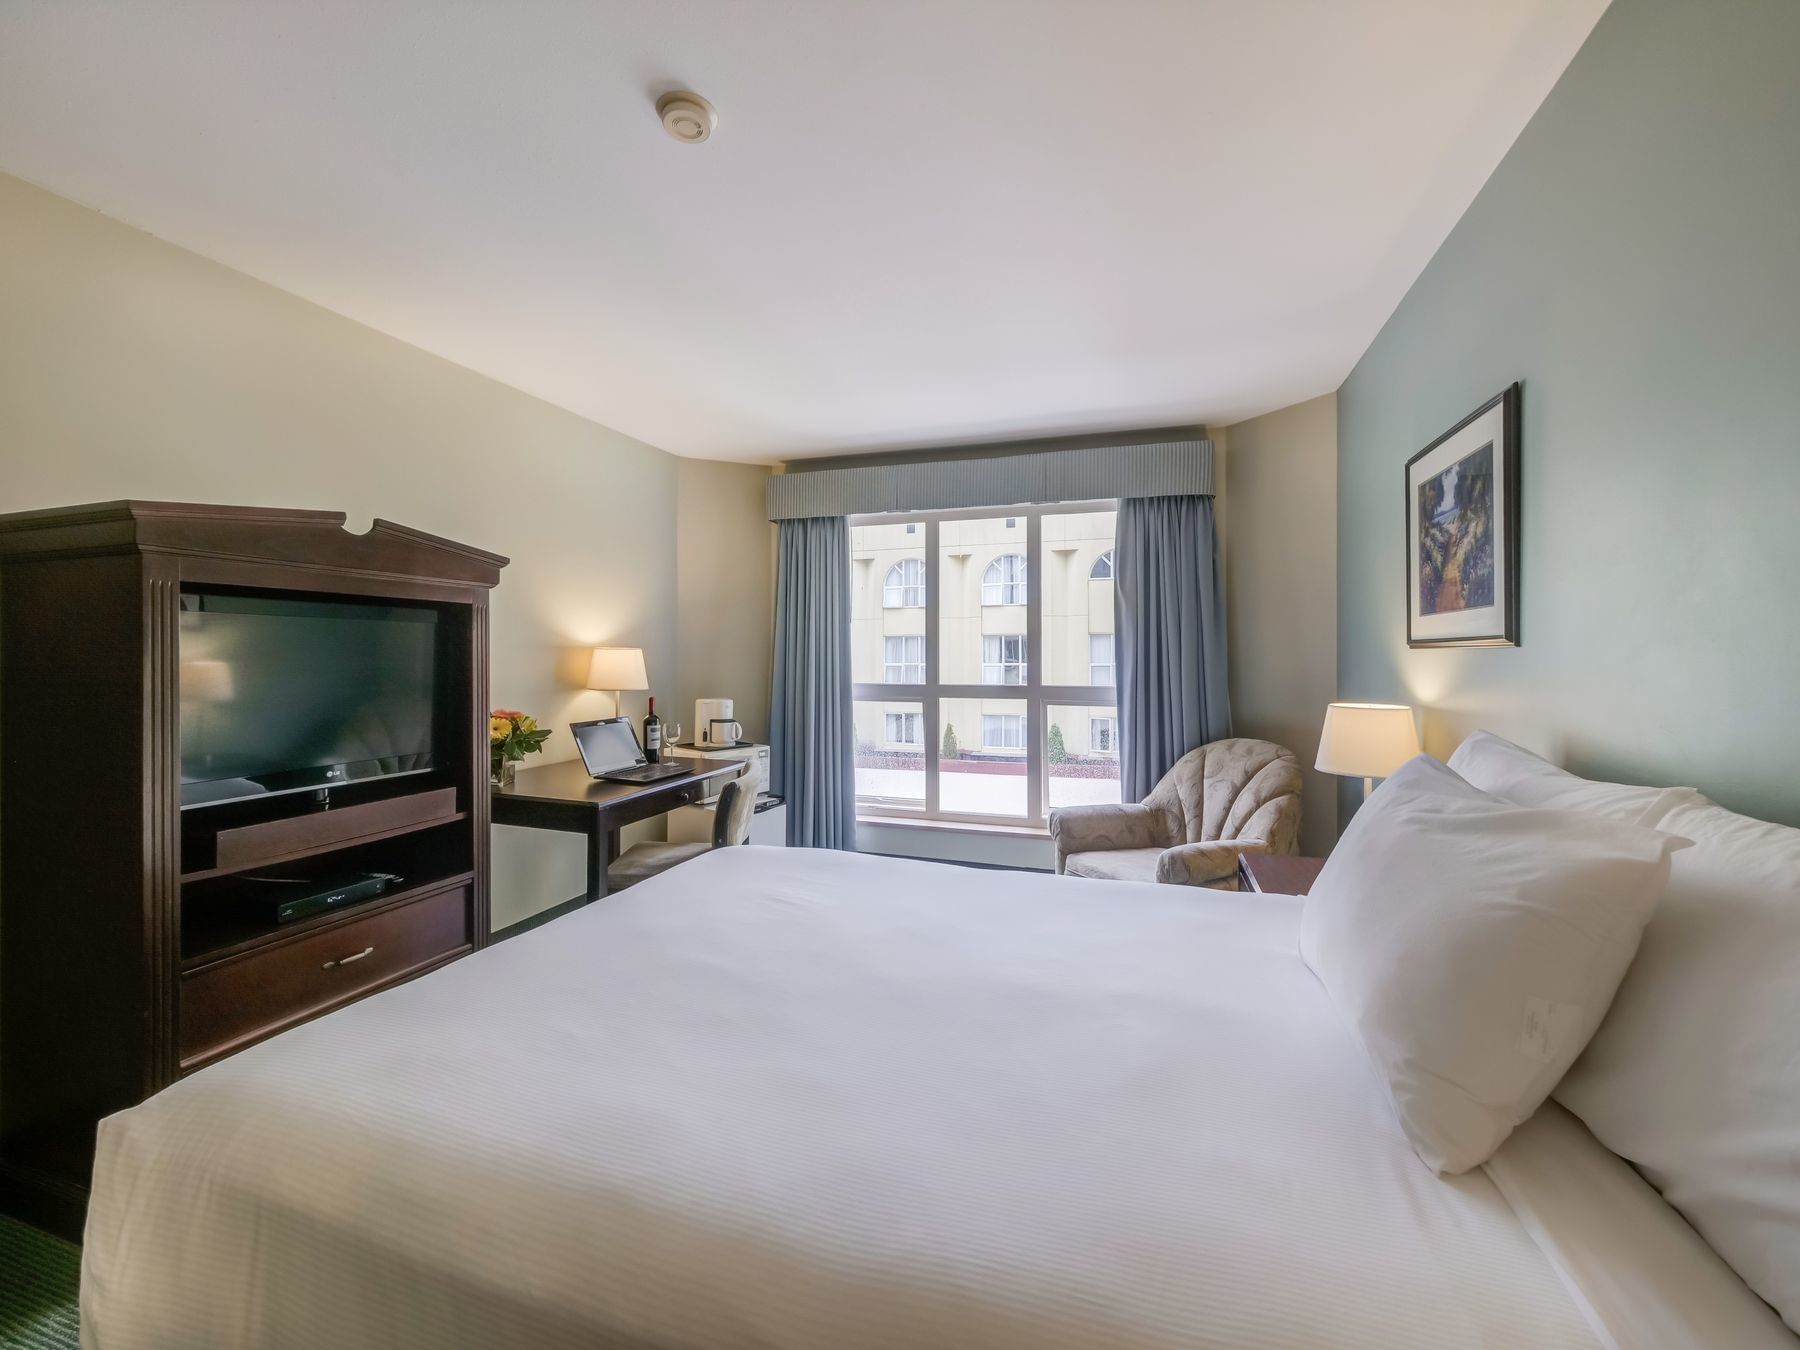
<point x="1222" y="800"/>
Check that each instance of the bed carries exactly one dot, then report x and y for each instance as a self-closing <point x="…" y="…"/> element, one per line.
<point x="812" y="1100"/>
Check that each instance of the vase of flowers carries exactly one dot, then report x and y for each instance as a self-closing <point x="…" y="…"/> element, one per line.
<point x="512" y="735"/>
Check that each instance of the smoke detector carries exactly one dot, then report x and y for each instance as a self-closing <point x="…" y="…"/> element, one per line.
<point x="687" y="117"/>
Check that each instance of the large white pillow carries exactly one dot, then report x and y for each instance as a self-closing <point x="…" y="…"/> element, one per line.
<point x="1514" y="774"/>
<point x="1695" y="1076"/>
<point x="1475" y="946"/>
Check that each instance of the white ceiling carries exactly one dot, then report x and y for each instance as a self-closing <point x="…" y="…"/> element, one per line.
<point x="919" y="222"/>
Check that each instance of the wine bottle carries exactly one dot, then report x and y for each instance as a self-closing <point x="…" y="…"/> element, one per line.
<point x="653" y="735"/>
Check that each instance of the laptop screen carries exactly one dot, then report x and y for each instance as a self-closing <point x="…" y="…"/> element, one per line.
<point x="606" y="746"/>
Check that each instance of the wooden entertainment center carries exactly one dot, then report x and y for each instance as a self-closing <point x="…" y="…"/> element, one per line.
<point x="124" y="963"/>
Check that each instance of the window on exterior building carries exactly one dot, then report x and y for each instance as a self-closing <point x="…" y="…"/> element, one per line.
<point x="1004" y="581"/>
<point x="905" y="586"/>
<point x="1100" y="658"/>
<point x="982" y="663"/>
<point x="904" y="660"/>
<point x="1103" y="735"/>
<point x="1002" y="731"/>
<point x="1102" y="568"/>
<point x="1003" y="659"/>
<point x="903" y="729"/>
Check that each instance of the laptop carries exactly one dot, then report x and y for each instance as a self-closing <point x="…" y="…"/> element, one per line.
<point x="610" y="750"/>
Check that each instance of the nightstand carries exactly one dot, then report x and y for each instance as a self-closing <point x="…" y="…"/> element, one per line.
<point x="1278" y="874"/>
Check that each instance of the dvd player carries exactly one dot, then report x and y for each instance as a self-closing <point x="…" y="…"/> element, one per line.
<point x="289" y="898"/>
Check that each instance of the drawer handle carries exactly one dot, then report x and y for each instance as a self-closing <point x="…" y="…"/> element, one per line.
<point x="346" y="960"/>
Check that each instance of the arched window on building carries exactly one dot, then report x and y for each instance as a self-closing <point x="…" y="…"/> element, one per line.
<point x="905" y="585"/>
<point x="1004" y="581"/>
<point x="1102" y="568"/>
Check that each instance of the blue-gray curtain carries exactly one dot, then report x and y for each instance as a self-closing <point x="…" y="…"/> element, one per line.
<point x="812" y="735"/>
<point x="1171" y="636"/>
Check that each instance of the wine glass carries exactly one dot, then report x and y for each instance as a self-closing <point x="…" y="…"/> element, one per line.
<point x="673" y="731"/>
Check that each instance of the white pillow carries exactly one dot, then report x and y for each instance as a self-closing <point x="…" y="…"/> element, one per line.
<point x="1516" y="775"/>
<point x="1695" y="1076"/>
<point x="1475" y="946"/>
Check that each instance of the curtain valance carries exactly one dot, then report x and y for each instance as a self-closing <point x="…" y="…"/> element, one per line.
<point x="1161" y="469"/>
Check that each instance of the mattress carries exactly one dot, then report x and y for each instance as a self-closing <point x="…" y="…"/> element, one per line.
<point x="820" y="1101"/>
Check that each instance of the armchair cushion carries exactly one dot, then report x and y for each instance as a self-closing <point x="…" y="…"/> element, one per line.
<point x="1101" y="828"/>
<point x="1116" y="864"/>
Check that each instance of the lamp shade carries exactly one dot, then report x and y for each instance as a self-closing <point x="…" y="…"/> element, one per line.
<point x="1366" y="740"/>
<point x="618" y="668"/>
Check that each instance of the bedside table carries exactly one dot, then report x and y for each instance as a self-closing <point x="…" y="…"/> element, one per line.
<point x="1278" y="874"/>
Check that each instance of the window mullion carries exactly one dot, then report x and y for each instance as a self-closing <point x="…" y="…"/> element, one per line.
<point x="1034" y="666"/>
<point x="933" y="662"/>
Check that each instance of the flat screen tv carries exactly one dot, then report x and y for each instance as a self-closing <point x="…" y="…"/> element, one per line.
<point x="288" y="695"/>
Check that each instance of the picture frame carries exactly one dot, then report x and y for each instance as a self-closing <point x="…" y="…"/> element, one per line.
<point x="1462" y="531"/>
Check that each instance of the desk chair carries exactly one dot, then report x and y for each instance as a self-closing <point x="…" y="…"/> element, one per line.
<point x="731" y="825"/>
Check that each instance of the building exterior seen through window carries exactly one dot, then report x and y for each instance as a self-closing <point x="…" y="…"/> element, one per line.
<point x="983" y="660"/>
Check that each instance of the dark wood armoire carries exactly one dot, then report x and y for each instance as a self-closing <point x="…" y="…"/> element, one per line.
<point x="127" y="957"/>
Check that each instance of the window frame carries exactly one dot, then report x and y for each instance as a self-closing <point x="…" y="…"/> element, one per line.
<point x="1012" y="590"/>
<point x="889" y="586"/>
<point x="1111" y="663"/>
<point x="1020" y="664"/>
<point x="1037" y="696"/>
<point x="917" y="719"/>
<point x="1094" y="573"/>
<point x="905" y="663"/>
<point x="1012" y="722"/>
<point x="1112" y="734"/>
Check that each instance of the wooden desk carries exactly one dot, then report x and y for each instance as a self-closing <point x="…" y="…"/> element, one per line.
<point x="1278" y="874"/>
<point x="562" y="796"/>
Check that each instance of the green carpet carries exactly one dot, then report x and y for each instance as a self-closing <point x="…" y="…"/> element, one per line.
<point x="39" y="1275"/>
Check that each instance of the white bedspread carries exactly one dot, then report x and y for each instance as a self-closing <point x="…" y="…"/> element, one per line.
<point x="799" y="1099"/>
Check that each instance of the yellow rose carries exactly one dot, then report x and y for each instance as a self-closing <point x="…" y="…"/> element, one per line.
<point x="528" y="724"/>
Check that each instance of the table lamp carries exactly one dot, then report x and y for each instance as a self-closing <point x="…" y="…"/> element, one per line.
<point x="617" y="669"/>
<point x="1366" y="741"/>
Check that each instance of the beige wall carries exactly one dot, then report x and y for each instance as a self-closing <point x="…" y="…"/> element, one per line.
<point x="1281" y="588"/>
<point x="725" y="628"/>
<point x="131" y="368"/>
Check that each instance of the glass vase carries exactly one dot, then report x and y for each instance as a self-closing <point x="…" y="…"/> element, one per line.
<point x="504" y="771"/>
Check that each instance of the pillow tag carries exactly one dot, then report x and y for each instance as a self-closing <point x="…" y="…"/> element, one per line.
<point x="1547" y="1027"/>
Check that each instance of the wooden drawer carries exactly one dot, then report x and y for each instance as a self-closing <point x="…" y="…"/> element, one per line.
<point x="245" y="997"/>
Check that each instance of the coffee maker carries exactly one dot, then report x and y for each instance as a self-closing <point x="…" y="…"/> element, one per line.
<point x="714" y="726"/>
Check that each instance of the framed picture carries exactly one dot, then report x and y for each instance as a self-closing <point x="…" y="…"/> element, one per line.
<point x="1462" y="532"/>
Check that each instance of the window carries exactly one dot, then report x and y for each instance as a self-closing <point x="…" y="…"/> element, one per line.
<point x="1103" y="735"/>
<point x="1004" y="581"/>
<point x="903" y="729"/>
<point x="905" y="587"/>
<point x="905" y="661"/>
<point x="1102" y="568"/>
<point x="1002" y="731"/>
<point x="983" y="664"/>
<point x="1100" y="658"/>
<point x="1003" y="660"/>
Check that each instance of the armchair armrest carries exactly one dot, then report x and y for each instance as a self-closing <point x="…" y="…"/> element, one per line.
<point x="1085" y="829"/>
<point x="1201" y="864"/>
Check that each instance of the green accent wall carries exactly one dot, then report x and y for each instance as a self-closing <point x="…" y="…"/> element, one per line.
<point x="1635" y="261"/>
